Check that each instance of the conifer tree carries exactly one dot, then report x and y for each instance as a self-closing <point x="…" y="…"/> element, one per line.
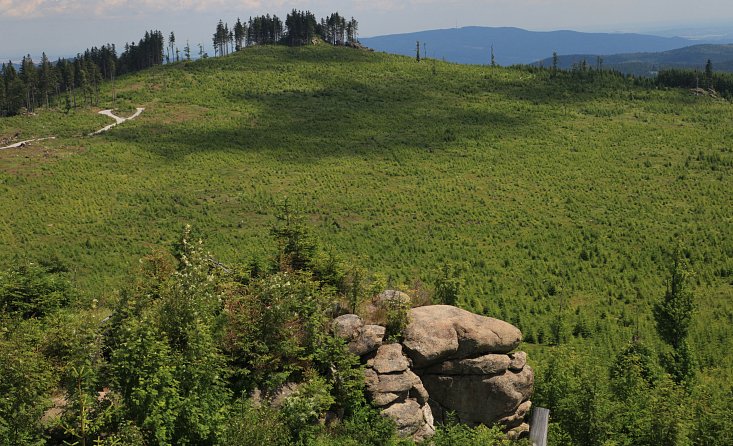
<point x="47" y="79"/>
<point x="673" y="316"/>
<point x="709" y="73"/>
<point x="239" y="35"/>
<point x="171" y="45"/>
<point x="29" y="77"/>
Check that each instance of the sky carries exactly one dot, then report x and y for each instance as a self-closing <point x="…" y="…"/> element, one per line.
<point x="65" y="27"/>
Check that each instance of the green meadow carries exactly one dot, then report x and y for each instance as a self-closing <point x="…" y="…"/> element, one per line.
<point x="560" y="200"/>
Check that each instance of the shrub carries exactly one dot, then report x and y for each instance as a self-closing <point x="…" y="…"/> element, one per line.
<point x="32" y="290"/>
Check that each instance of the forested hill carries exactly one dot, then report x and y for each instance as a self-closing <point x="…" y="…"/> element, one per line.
<point x="472" y="45"/>
<point x="642" y="64"/>
<point x="591" y="210"/>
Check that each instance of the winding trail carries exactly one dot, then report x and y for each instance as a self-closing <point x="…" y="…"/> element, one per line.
<point x="109" y="113"/>
<point x="23" y="143"/>
<point x="117" y="119"/>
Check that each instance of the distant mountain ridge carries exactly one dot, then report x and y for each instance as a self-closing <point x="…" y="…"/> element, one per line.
<point x="643" y="64"/>
<point x="472" y="45"/>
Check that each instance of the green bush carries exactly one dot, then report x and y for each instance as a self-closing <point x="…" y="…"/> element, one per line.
<point x="250" y="425"/>
<point x="31" y="290"/>
<point x="452" y="434"/>
<point x="25" y="384"/>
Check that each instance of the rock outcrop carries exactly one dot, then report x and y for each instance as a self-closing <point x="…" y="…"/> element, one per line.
<point x="450" y="360"/>
<point x="438" y="333"/>
<point x="360" y="338"/>
<point x="399" y="392"/>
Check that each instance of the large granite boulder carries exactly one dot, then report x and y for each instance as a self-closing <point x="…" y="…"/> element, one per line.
<point x="480" y="398"/>
<point x="438" y="333"/>
<point x="361" y="339"/>
<point x="450" y="360"/>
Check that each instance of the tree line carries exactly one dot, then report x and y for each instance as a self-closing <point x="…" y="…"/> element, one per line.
<point x="76" y="82"/>
<point x="299" y="28"/>
<point x="722" y="83"/>
<point x="73" y="82"/>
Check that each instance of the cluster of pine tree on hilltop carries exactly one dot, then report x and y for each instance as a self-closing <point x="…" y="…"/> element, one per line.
<point x="74" y="82"/>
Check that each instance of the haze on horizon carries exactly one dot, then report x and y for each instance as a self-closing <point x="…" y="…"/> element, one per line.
<point x="62" y="28"/>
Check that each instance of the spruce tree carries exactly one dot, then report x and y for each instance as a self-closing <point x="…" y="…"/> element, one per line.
<point x="673" y="316"/>
<point x="709" y="73"/>
<point x="171" y="45"/>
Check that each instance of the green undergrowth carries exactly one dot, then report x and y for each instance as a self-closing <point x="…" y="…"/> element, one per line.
<point x="561" y="199"/>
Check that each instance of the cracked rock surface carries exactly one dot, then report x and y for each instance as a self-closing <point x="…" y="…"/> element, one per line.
<point x="450" y="360"/>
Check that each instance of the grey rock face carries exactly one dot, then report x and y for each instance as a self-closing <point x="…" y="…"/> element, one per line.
<point x="491" y="364"/>
<point x="450" y="360"/>
<point x="480" y="399"/>
<point x="393" y="387"/>
<point x="438" y="333"/>
<point x="361" y="339"/>
<point x="519" y="360"/>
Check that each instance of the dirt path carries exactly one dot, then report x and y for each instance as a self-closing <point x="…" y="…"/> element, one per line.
<point x="24" y="143"/>
<point x="117" y="119"/>
<point x="109" y="113"/>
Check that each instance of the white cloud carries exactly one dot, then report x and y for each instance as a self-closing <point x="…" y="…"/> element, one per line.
<point x="24" y="9"/>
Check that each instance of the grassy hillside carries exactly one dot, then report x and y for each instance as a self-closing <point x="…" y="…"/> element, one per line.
<point x="556" y="198"/>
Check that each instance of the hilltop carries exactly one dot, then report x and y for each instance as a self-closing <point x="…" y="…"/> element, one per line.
<point x="559" y="200"/>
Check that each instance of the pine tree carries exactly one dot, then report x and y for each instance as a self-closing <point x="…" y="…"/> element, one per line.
<point x="171" y="44"/>
<point x="47" y="79"/>
<point x="239" y="34"/>
<point x="709" y="73"/>
<point x="3" y="104"/>
<point x="673" y="316"/>
<point x="29" y="77"/>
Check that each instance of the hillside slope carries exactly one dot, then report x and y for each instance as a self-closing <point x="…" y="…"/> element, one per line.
<point x="557" y="199"/>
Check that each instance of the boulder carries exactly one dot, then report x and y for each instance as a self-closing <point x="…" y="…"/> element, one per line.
<point x="450" y="360"/>
<point x="401" y="382"/>
<point x="518" y="432"/>
<point x="369" y="339"/>
<point x="409" y="417"/>
<point x="361" y="339"/>
<point x="519" y="360"/>
<point x="389" y="359"/>
<point x="480" y="399"/>
<point x="347" y="327"/>
<point x="438" y="333"/>
<point x="518" y="417"/>
<point x="400" y="394"/>
<point x="392" y="295"/>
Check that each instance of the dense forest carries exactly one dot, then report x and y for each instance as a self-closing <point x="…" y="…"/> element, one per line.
<point x="73" y="82"/>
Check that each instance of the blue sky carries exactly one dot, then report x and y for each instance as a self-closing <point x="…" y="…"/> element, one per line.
<point x="63" y="27"/>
